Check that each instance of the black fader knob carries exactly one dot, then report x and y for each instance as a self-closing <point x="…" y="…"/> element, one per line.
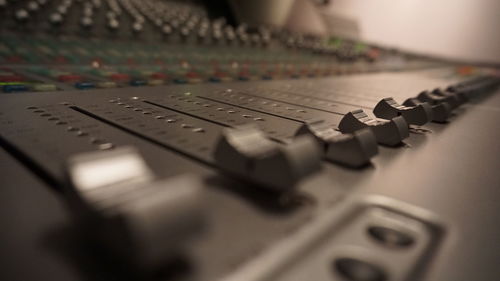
<point x="388" y="132"/>
<point x="247" y="153"/>
<point x="440" y="112"/>
<point x="353" y="150"/>
<point x="433" y="99"/>
<point x="419" y="114"/>
<point x="459" y="97"/>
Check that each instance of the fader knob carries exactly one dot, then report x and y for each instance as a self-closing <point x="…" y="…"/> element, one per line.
<point x="459" y="97"/>
<point x="388" y="132"/>
<point x="434" y="99"/>
<point x="419" y="114"/>
<point x="134" y="205"/>
<point x="245" y="151"/>
<point x="440" y="112"/>
<point x="353" y="150"/>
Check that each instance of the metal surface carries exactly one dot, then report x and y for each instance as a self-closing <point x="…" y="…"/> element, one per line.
<point x="443" y="177"/>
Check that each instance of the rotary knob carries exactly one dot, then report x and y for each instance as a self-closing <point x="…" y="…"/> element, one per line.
<point x="137" y="27"/>
<point x="113" y="24"/>
<point x="166" y="30"/>
<point x="33" y="6"/>
<point x="86" y="22"/>
<point x="22" y="15"/>
<point x="56" y="19"/>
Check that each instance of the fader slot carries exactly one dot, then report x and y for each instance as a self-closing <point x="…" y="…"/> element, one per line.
<point x="191" y="136"/>
<point x="274" y="127"/>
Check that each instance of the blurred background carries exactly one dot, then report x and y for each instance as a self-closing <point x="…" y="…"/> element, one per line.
<point x="466" y="30"/>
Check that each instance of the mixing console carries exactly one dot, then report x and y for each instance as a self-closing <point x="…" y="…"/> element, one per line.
<point x="56" y="45"/>
<point x="146" y="140"/>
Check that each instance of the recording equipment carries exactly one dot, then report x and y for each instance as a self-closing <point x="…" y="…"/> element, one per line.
<point x="147" y="140"/>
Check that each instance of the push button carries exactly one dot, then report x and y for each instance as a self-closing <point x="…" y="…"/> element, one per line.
<point x="138" y="82"/>
<point x="44" y="87"/>
<point x="10" y="77"/>
<point x="180" y="80"/>
<point x="391" y="238"/>
<point x="106" y="84"/>
<point x="84" y="85"/>
<point x="69" y="78"/>
<point x="119" y="77"/>
<point x="356" y="270"/>
<point x="214" y="79"/>
<point x="155" y="82"/>
<point x="158" y="75"/>
<point x="15" y="88"/>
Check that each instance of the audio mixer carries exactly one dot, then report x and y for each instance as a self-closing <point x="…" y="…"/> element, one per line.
<point x="150" y="140"/>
